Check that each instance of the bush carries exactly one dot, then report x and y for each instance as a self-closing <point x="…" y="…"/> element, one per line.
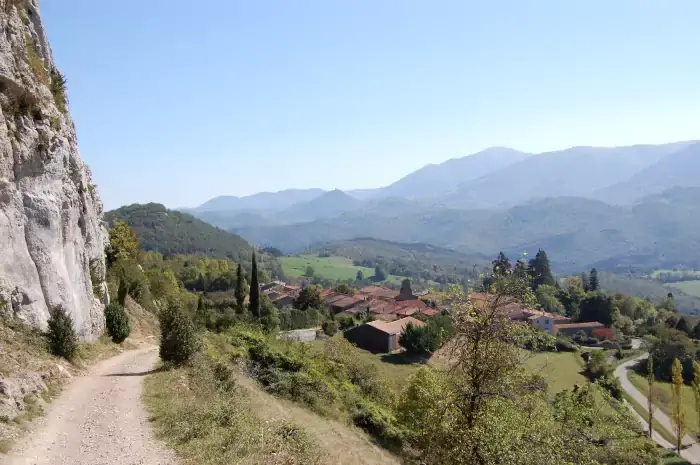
<point x="345" y="322"/>
<point x="429" y="338"/>
<point x="179" y="340"/>
<point x="117" y="322"/>
<point x="61" y="336"/>
<point x="330" y="327"/>
<point x="565" y="345"/>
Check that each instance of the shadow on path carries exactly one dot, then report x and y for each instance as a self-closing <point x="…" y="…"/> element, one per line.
<point x="141" y="373"/>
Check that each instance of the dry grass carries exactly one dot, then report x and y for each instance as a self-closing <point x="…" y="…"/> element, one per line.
<point x="36" y="63"/>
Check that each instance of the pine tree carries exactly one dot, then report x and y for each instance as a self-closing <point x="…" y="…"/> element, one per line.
<point x="540" y="270"/>
<point x="501" y="266"/>
<point x="677" y="408"/>
<point x="593" y="283"/>
<point x="696" y="389"/>
<point x="520" y="270"/>
<point x="122" y="291"/>
<point x="651" y="408"/>
<point x="254" y="305"/>
<point x="240" y="291"/>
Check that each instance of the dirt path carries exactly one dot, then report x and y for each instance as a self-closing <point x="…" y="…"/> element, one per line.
<point x="692" y="451"/>
<point x="98" y="420"/>
<point x="343" y="445"/>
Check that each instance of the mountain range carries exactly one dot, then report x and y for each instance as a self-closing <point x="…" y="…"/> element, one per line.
<point x="589" y="206"/>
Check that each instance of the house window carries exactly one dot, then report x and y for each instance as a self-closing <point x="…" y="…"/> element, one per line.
<point x="546" y="322"/>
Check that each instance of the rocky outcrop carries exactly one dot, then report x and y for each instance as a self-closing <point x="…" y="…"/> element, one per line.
<point x="52" y="237"/>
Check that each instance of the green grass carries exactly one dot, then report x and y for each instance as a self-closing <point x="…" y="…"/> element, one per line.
<point x="561" y="370"/>
<point x="666" y="434"/>
<point x="334" y="268"/>
<point x="670" y="458"/>
<point x="689" y="287"/>
<point x="664" y="400"/>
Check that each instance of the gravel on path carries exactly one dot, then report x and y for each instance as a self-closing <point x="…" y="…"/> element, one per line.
<point x="97" y="420"/>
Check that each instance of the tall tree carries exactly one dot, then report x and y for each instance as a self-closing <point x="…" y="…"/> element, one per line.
<point x="585" y="282"/>
<point x="240" y="291"/>
<point x="677" y="407"/>
<point x="651" y="407"/>
<point x="520" y="270"/>
<point x="501" y="265"/>
<point x="593" y="283"/>
<point x="123" y="243"/>
<point x="540" y="270"/>
<point x="359" y="276"/>
<point x="254" y="305"/>
<point x="696" y="390"/>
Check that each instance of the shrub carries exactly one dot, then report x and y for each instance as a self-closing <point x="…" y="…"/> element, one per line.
<point x="346" y="322"/>
<point x="179" y="340"/>
<point x="61" y="336"/>
<point x="429" y="338"/>
<point x="58" y="90"/>
<point x="117" y="322"/>
<point x="565" y="345"/>
<point x="330" y="327"/>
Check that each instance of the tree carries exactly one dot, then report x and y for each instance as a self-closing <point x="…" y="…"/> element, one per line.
<point x="597" y="306"/>
<point x="201" y="314"/>
<point x="520" y="270"/>
<point x="123" y="243"/>
<point x="696" y="390"/>
<point x="344" y="288"/>
<point x="585" y="282"/>
<point x="677" y="407"/>
<point x="379" y="274"/>
<point x="254" y="304"/>
<point x="309" y="297"/>
<point x="117" y="322"/>
<point x="696" y="331"/>
<point x="330" y="327"/>
<point x="593" y="283"/>
<point x="360" y="276"/>
<point x="178" y="338"/>
<point x="501" y="265"/>
<point x="651" y="406"/>
<point x="547" y="298"/>
<point x="540" y="270"/>
<point x="61" y="336"/>
<point x="241" y="291"/>
<point x="269" y="315"/>
<point x="309" y="273"/>
<point x="122" y="291"/>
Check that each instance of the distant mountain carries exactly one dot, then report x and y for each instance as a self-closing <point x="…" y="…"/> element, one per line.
<point x="264" y="201"/>
<point x="578" y="172"/>
<point x="328" y="205"/>
<point x="432" y="181"/>
<point x="234" y="219"/>
<point x="171" y="232"/>
<point x="678" y="169"/>
<point x="576" y="232"/>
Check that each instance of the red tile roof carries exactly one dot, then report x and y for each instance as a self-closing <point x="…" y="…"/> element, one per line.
<point x="592" y="324"/>
<point x="395" y="327"/>
<point x="346" y="301"/>
<point x="380" y="292"/>
<point x="417" y="303"/>
<point x="406" y="311"/>
<point x="431" y="312"/>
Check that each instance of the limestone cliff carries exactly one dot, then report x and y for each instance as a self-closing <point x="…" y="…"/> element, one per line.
<point x="52" y="237"/>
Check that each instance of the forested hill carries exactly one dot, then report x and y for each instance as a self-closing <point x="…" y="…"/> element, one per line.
<point x="171" y="232"/>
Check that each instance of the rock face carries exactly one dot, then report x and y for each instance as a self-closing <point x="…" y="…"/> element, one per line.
<point x="52" y="237"/>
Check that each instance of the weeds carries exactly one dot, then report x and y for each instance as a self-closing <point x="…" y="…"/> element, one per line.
<point x="36" y="62"/>
<point x="58" y="90"/>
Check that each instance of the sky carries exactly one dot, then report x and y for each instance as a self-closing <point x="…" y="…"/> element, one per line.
<point x="176" y="102"/>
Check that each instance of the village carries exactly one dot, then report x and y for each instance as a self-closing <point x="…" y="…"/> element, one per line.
<point x="384" y="314"/>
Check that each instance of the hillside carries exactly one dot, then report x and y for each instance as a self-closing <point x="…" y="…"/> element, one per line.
<point x="578" y="171"/>
<point x="578" y="233"/>
<point x="264" y="201"/>
<point x="679" y="169"/>
<point x="171" y="232"/>
<point x="327" y="205"/>
<point x="649" y="288"/>
<point x="434" y="180"/>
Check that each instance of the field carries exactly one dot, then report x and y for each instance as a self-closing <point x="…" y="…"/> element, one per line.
<point x="561" y="370"/>
<point x="678" y="273"/>
<point x="689" y="287"/>
<point x="334" y="268"/>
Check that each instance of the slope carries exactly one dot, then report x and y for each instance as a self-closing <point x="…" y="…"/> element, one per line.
<point x="578" y="171"/>
<point x="679" y="169"/>
<point x="263" y="201"/>
<point x="328" y="205"/>
<point x="434" y="180"/>
<point x="171" y="232"/>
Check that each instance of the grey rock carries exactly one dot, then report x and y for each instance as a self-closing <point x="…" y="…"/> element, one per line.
<point x="51" y="228"/>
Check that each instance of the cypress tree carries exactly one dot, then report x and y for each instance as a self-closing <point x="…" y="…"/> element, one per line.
<point x="254" y="305"/>
<point x="501" y="266"/>
<point x="240" y="288"/>
<point x="593" y="283"/>
<point x="585" y="282"/>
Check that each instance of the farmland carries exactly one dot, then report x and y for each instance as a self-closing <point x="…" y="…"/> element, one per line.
<point x="334" y="268"/>
<point x="689" y="287"/>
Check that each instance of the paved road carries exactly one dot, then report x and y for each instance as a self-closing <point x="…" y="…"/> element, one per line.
<point x="98" y="420"/>
<point x="692" y="452"/>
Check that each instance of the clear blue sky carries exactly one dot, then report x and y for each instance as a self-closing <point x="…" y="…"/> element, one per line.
<point x="177" y="101"/>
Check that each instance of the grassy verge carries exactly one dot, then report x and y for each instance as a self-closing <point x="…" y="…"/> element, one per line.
<point x="204" y="416"/>
<point x="666" y="434"/>
<point x="663" y="400"/>
<point x="669" y="458"/>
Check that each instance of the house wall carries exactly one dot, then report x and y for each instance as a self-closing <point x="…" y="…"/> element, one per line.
<point x="544" y="323"/>
<point x="369" y="338"/>
<point x="570" y="332"/>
